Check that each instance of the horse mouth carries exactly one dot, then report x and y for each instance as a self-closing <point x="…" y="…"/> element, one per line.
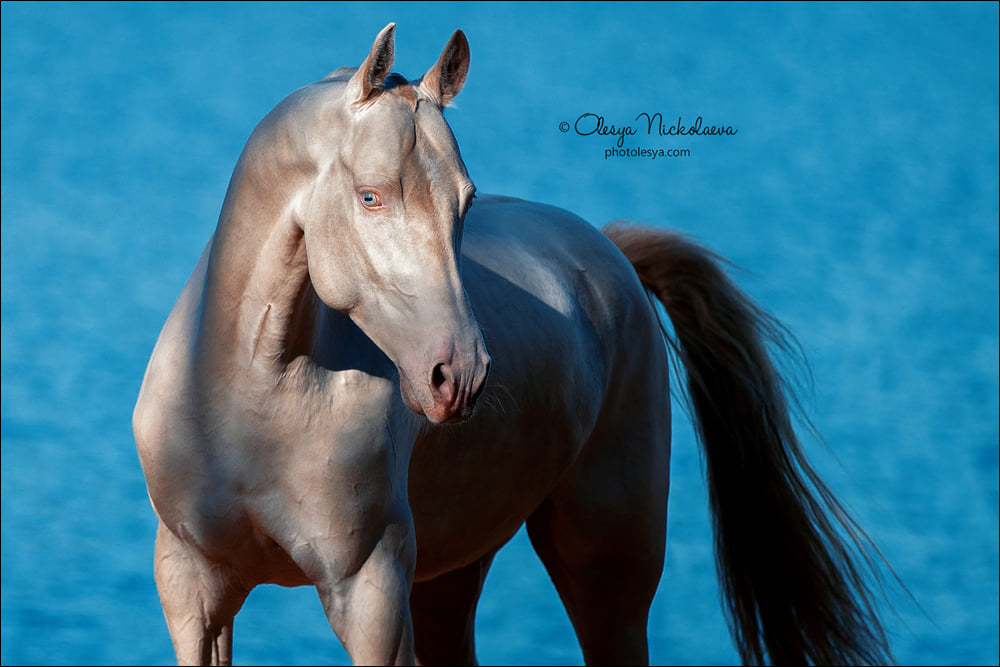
<point x="435" y="411"/>
<point x="461" y="416"/>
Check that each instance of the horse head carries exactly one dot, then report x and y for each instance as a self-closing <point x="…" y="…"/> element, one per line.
<point x="383" y="224"/>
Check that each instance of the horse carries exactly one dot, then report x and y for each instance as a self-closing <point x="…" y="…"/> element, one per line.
<point x="374" y="378"/>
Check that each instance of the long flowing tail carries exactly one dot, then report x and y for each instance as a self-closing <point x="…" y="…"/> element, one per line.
<point x="794" y="589"/>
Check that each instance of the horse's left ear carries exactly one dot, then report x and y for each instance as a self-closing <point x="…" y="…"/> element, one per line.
<point x="367" y="81"/>
<point x="443" y="81"/>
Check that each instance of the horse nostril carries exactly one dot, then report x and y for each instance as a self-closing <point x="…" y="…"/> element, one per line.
<point x="443" y="382"/>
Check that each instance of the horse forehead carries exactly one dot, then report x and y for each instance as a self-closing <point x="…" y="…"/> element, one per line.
<point x="389" y="123"/>
<point x="394" y="131"/>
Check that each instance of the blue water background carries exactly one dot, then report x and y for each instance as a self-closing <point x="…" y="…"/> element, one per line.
<point x="859" y="196"/>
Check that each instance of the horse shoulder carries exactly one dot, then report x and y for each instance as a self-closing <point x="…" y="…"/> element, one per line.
<point x="160" y="404"/>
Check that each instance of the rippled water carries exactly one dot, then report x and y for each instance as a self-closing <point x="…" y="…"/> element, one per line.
<point x="859" y="194"/>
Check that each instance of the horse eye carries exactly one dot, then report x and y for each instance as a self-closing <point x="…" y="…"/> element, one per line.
<point x="369" y="199"/>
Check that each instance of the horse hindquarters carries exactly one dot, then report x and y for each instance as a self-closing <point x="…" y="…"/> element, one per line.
<point x="793" y="592"/>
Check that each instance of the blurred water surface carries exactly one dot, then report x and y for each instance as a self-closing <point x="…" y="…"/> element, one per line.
<point x="859" y="194"/>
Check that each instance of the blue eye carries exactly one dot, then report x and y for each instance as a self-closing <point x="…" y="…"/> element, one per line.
<point x="369" y="199"/>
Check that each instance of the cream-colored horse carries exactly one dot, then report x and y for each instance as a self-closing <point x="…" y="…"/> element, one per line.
<point x="309" y="415"/>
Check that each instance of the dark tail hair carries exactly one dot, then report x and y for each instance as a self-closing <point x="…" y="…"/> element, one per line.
<point x="793" y="588"/>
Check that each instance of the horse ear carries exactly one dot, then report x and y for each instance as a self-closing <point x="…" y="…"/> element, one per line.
<point x="443" y="81"/>
<point x="367" y="81"/>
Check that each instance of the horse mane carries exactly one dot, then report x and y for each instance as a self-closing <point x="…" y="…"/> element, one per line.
<point x="344" y="73"/>
<point x="394" y="82"/>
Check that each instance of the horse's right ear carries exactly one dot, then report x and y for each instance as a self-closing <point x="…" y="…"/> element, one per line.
<point x="367" y="81"/>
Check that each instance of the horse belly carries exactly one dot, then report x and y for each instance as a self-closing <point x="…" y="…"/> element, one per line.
<point x="470" y="494"/>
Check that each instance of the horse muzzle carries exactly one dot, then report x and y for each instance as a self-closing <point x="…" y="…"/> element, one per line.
<point x="450" y="388"/>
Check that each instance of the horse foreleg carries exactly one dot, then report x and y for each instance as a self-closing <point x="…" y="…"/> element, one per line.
<point x="369" y="610"/>
<point x="200" y="600"/>
<point x="444" y="615"/>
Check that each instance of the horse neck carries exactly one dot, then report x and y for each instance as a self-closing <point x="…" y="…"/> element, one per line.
<point x="257" y="281"/>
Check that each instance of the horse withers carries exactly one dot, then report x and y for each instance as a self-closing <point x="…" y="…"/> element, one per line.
<point x="373" y="379"/>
